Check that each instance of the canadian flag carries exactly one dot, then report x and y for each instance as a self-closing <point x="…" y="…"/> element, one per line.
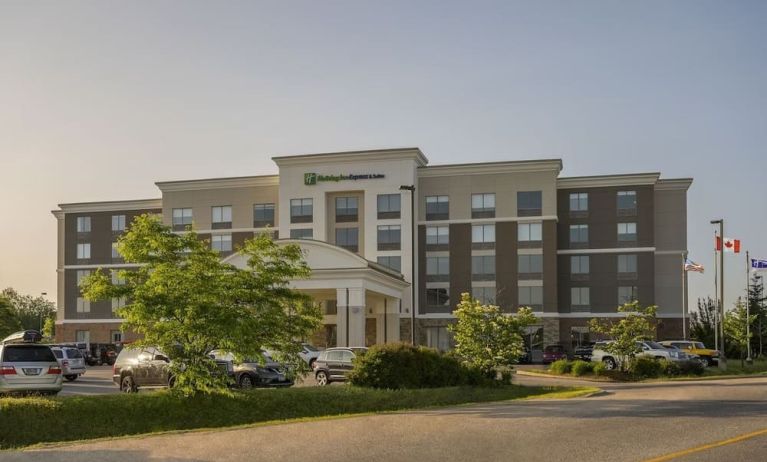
<point x="730" y="245"/>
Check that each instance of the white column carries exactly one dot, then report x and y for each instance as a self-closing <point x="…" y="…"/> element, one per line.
<point x="351" y="316"/>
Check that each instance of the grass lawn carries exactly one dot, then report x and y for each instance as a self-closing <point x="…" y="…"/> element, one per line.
<point x="28" y="421"/>
<point x="735" y="368"/>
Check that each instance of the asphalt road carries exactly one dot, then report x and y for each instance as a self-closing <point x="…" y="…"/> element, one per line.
<point x="631" y="422"/>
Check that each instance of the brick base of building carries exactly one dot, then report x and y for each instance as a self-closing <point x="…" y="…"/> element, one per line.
<point x="99" y="332"/>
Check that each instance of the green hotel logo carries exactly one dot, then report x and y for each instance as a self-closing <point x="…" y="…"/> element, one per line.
<point x="311" y="179"/>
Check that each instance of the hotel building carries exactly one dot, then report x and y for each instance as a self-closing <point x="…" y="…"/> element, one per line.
<point x="392" y="242"/>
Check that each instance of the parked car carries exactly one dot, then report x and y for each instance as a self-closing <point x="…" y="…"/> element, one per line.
<point x="706" y="356"/>
<point x="148" y="368"/>
<point x="26" y="366"/>
<point x="526" y="357"/>
<point x="583" y="352"/>
<point x="334" y="364"/>
<point x="252" y="373"/>
<point x="644" y="348"/>
<point x="71" y="361"/>
<point x="553" y="353"/>
<point x="309" y="353"/>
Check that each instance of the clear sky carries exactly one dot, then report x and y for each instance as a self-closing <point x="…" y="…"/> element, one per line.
<point x="98" y="100"/>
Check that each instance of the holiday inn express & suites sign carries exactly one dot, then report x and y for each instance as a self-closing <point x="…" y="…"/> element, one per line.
<point x="314" y="178"/>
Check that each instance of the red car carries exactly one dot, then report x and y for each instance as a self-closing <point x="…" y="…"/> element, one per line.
<point x="553" y="353"/>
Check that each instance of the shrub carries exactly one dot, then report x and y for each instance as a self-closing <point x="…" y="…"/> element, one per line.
<point x="401" y="365"/>
<point x="600" y="369"/>
<point x="561" y="367"/>
<point x="646" y="367"/>
<point x="691" y="368"/>
<point x="582" y="367"/>
<point x="670" y="368"/>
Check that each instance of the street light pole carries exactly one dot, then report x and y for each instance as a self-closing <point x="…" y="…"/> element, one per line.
<point x="749" y="361"/>
<point x="411" y="188"/>
<point x="722" y="357"/>
<point x="42" y="294"/>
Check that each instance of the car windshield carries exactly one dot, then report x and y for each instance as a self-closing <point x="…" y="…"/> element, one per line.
<point x="28" y="354"/>
<point x="309" y="347"/>
<point x="553" y="349"/>
<point x="74" y="353"/>
<point x="58" y="354"/>
<point x="654" y="345"/>
<point x="699" y="345"/>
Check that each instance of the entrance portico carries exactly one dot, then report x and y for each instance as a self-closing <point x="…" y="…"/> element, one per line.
<point x="361" y="300"/>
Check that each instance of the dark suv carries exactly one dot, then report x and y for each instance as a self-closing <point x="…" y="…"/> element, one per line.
<point x="334" y="364"/>
<point x="148" y="368"/>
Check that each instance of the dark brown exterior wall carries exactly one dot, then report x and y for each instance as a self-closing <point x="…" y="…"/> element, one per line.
<point x="666" y="329"/>
<point x="506" y="265"/>
<point x="421" y="272"/>
<point x="550" y="302"/>
<point x="460" y="263"/>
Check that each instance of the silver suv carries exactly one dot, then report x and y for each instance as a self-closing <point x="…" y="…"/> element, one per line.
<point x="645" y="348"/>
<point x="27" y="366"/>
<point x="71" y="361"/>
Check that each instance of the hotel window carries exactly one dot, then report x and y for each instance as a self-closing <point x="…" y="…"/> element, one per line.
<point x="627" y="294"/>
<point x="579" y="202"/>
<point x="82" y="336"/>
<point x="483" y="236"/>
<point x="392" y="262"/>
<point x="437" y="235"/>
<point x="301" y="233"/>
<point x="579" y="234"/>
<point x="437" y="268"/>
<point x="348" y="238"/>
<point x="579" y="299"/>
<point x="483" y="267"/>
<point x="529" y="203"/>
<point x="301" y="210"/>
<point x="117" y="303"/>
<point x="116" y="279"/>
<point x="118" y="223"/>
<point x="438" y="337"/>
<point x="182" y="218"/>
<point x="221" y="242"/>
<point x="389" y="237"/>
<point x="263" y="215"/>
<point x="221" y="216"/>
<point x="529" y="232"/>
<point x="485" y="295"/>
<point x="483" y="205"/>
<point x="531" y="296"/>
<point x="437" y="297"/>
<point x="627" y="202"/>
<point x="627" y="266"/>
<point x="627" y="232"/>
<point x="530" y="266"/>
<point x="82" y="274"/>
<point x="83" y="251"/>
<point x="83" y="224"/>
<point x="116" y="336"/>
<point x="115" y="253"/>
<point x="346" y="209"/>
<point x="388" y="206"/>
<point x="437" y="207"/>
<point x="83" y="305"/>
<point x="579" y="264"/>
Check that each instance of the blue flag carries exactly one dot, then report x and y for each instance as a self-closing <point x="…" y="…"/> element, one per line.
<point x="758" y="265"/>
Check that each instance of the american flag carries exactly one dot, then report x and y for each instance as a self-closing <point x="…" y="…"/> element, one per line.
<point x="690" y="265"/>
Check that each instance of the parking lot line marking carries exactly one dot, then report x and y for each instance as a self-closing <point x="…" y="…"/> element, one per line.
<point x="705" y="447"/>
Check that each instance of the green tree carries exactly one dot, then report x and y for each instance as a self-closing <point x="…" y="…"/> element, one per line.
<point x="485" y="337"/>
<point x="186" y="301"/>
<point x="49" y="328"/>
<point x="637" y="324"/>
<point x="756" y="302"/>
<point x="702" y="322"/>
<point x="31" y="311"/>
<point x="9" y="320"/>
<point x="735" y="322"/>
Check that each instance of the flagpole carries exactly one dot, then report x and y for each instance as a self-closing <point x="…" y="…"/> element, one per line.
<point x="684" y="295"/>
<point x="716" y="295"/>
<point x="748" y="314"/>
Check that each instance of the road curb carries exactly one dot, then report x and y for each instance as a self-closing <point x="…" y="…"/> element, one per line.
<point x="565" y="377"/>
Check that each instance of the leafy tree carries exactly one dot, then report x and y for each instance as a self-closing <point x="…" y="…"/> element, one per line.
<point x="756" y="301"/>
<point x="186" y="301"/>
<point x="638" y="324"/>
<point x="735" y="322"/>
<point x="9" y="320"/>
<point x="49" y="328"/>
<point x="485" y="337"/>
<point x="703" y="321"/>
<point x="31" y="311"/>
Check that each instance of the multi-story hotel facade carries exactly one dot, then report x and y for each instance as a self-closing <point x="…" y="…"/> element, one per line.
<point x="393" y="242"/>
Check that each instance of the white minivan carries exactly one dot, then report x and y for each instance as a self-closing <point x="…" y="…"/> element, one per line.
<point x="27" y="366"/>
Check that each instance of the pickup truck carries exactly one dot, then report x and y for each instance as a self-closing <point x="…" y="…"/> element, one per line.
<point x="644" y="348"/>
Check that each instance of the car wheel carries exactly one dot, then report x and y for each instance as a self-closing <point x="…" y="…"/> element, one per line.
<point x="705" y="361"/>
<point x="609" y="363"/>
<point x="71" y="377"/>
<point x="311" y="363"/>
<point x="322" y="378"/>
<point x="246" y="381"/>
<point x="127" y="385"/>
<point x="171" y="382"/>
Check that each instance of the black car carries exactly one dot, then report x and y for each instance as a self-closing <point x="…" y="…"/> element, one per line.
<point x="584" y="351"/>
<point x="334" y="364"/>
<point x="526" y="357"/>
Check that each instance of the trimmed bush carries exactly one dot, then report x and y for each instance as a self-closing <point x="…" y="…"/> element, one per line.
<point x="646" y="367"/>
<point x="600" y="369"/>
<point x="691" y="368"/>
<point x="561" y="367"/>
<point x="580" y="368"/>
<point x="670" y="368"/>
<point x="401" y="365"/>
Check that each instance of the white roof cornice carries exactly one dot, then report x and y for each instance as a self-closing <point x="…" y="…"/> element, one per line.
<point x="517" y="166"/>
<point x="219" y="183"/>
<point x="600" y="181"/>
<point x="108" y="206"/>
<point x="350" y="156"/>
<point x="674" y="183"/>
